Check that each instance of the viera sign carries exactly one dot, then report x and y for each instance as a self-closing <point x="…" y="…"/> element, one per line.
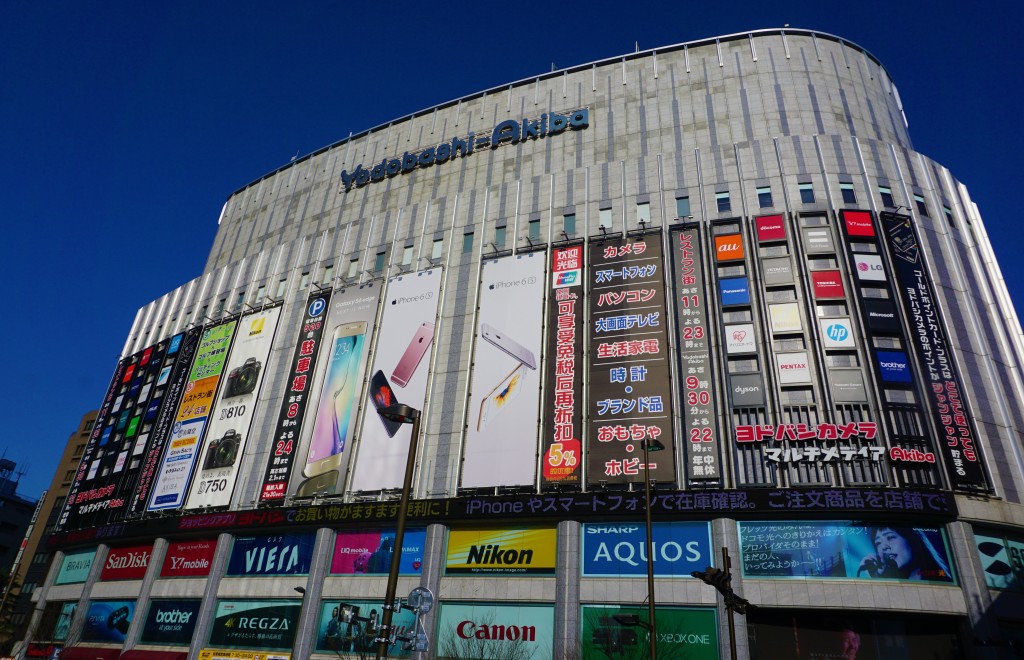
<point x="507" y="132"/>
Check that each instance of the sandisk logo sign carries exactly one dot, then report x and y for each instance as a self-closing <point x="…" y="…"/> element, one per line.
<point x="729" y="248"/>
<point x="858" y="223"/>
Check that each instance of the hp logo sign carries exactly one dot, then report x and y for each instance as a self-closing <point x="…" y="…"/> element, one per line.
<point x="837" y="332"/>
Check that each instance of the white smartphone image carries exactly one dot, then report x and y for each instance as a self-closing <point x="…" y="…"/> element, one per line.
<point x="500" y="397"/>
<point x="507" y="345"/>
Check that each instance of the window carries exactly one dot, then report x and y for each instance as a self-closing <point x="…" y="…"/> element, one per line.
<point x="764" y="197"/>
<point x="407" y="255"/>
<point x="41" y="558"/>
<point x="605" y="218"/>
<point x="31" y="586"/>
<point x="722" y="199"/>
<point x="435" y="249"/>
<point x="69" y="475"/>
<point x="221" y="304"/>
<point x="281" y="286"/>
<point x="239" y="301"/>
<point x="467" y="242"/>
<point x="499" y="236"/>
<point x="304" y="282"/>
<point x="89" y="424"/>
<point x="643" y="212"/>
<point x="569" y="223"/>
<point x="683" y="207"/>
<point x="922" y="206"/>
<point x="535" y="229"/>
<point x="261" y="293"/>
<point x="886" y="193"/>
<point x="353" y="268"/>
<point x="79" y="450"/>
<point x="849" y="197"/>
<point x="378" y="261"/>
<point x="948" y="212"/>
<point x="807" y="193"/>
<point x="328" y="274"/>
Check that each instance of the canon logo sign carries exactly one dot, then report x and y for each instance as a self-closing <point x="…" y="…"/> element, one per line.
<point x="501" y="633"/>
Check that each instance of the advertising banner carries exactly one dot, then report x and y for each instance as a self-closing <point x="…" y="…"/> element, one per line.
<point x="108" y="621"/>
<point x="562" y="448"/>
<point x="785" y="317"/>
<point x="683" y="632"/>
<point x="176" y="379"/>
<point x="818" y="240"/>
<point x="770" y="228"/>
<point x="489" y="631"/>
<point x="894" y="367"/>
<point x="399" y="373"/>
<point x="837" y="333"/>
<point x="828" y="284"/>
<point x="219" y="654"/>
<point x="171" y="622"/>
<point x="777" y="270"/>
<point x="350" y="626"/>
<point x="1002" y="560"/>
<point x="369" y="553"/>
<point x="847" y="386"/>
<point x="505" y="387"/>
<point x="740" y="339"/>
<point x="329" y="429"/>
<point x="734" y="291"/>
<point x="193" y="415"/>
<point x="266" y="624"/>
<point x="298" y="390"/>
<point x="127" y="563"/>
<point x="511" y="551"/>
<point x="858" y="223"/>
<point x="290" y="554"/>
<point x="620" y="549"/>
<point x="729" y="247"/>
<point x="629" y="372"/>
<point x="880" y="316"/>
<point x="232" y="414"/>
<point x="64" y="619"/>
<point x="695" y="363"/>
<point x="188" y="559"/>
<point x="869" y="267"/>
<point x="958" y="436"/>
<point x="747" y="390"/>
<point x="793" y="368"/>
<point x="75" y="567"/>
<point x="844" y="549"/>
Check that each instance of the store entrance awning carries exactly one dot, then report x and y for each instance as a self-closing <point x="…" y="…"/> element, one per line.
<point x="90" y="653"/>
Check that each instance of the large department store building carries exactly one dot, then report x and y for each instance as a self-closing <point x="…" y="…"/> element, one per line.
<point x="727" y="248"/>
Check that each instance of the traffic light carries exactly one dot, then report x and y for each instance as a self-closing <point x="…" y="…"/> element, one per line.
<point x="717" y="578"/>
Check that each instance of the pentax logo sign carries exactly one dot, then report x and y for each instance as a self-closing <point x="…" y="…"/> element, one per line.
<point x="728" y="248"/>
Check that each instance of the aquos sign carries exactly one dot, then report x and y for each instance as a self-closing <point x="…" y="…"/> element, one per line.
<point x="507" y="132"/>
<point x="679" y="548"/>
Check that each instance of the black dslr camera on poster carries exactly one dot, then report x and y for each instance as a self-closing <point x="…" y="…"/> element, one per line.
<point x="223" y="452"/>
<point x="243" y="379"/>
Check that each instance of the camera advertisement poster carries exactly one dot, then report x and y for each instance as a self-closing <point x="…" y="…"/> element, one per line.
<point x="329" y="426"/>
<point x="845" y="550"/>
<point x="501" y="434"/>
<point x="399" y="372"/>
<point x="233" y="412"/>
<point x="193" y="414"/>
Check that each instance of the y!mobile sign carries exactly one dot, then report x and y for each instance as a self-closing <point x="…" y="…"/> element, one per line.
<point x="563" y="411"/>
<point x="188" y="559"/>
<point x="629" y="374"/>
<point x="192" y="417"/>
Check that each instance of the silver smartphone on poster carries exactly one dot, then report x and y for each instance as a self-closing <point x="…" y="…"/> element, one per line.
<point x="507" y="345"/>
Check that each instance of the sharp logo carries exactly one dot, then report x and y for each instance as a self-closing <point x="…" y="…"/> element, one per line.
<point x="493" y="555"/>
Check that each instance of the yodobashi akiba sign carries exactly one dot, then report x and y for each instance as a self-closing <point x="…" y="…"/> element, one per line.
<point x="188" y="559"/>
<point x="618" y="550"/>
<point x="507" y="132"/>
<point x="127" y="563"/>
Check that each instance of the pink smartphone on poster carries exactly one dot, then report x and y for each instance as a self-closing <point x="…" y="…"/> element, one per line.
<point x="413" y="355"/>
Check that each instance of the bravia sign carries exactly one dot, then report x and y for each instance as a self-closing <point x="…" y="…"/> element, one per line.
<point x="127" y="563"/>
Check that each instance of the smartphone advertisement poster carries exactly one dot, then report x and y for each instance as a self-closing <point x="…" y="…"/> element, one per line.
<point x="192" y="417"/>
<point x="330" y="425"/>
<point x="401" y="364"/>
<point x="505" y="387"/>
<point x="298" y="391"/>
<point x="369" y="553"/>
<point x="228" y="430"/>
<point x="630" y="395"/>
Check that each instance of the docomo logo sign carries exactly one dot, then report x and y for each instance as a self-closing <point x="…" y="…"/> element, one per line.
<point x="510" y="131"/>
<point x="858" y="223"/>
<point x="729" y="248"/>
<point x="770" y="228"/>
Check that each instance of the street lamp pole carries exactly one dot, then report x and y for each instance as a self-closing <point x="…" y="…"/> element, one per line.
<point x="652" y="637"/>
<point x="406" y="415"/>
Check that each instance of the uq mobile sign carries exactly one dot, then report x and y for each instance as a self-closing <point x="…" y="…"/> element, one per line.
<point x="510" y="132"/>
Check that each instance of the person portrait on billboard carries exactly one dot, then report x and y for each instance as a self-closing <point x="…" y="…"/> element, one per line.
<point x="903" y="554"/>
<point x="380" y="561"/>
<point x="332" y="636"/>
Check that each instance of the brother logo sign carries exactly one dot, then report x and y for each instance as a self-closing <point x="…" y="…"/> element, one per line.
<point x="510" y="132"/>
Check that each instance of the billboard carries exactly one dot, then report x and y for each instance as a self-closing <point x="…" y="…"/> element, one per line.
<point x="683" y="632"/>
<point x="785" y="317"/>
<point x="747" y="390"/>
<point x="492" y="631"/>
<point x="401" y="363"/>
<point x="298" y="390"/>
<point x="837" y="333"/>
<point x="64" y="619"/>
<point x="630" y="394"/>
<point x="329" y="429"/>
<point x="777" y="270"/>
<point x="234" y="410"/>
<point x="108" y="621"/>
<point x="847" y="386"/>
<point x="508" y="551"/>
<point x="192" y="418"/>
<point x="188" y="559"/>
<point x="729" y="247"/>
<point x="869" y="267"/>
<point x="817" y="240"/>
<point x="350" y="626"/>
<point x="828" y="285"/>
<point x="894" y="367"/>
<point x="844" y="550"/>
<point x="370" y="552"/>
<point x="505" y="386"/>
<point x="171" y="622"/>
<point x="740" y="339"/>
<point x="794" y="368"/>
<point x="127" y="563"/>
<point x="734" y="291"/>
<point x="75" y="567"/>
<point x="880" y="316"/>
<point x="958" y="437"/>
<point x="562" y="450"/>
<point x="858" y="223"/>
<point x="770" y="228"/>
<point x="620" y="549"/>
<point x="290" y="554"/>
<point x="262" y="624"/>
<point x="1002" y="560"/>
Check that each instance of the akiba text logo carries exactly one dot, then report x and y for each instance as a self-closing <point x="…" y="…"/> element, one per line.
<point x="510" y="131"/>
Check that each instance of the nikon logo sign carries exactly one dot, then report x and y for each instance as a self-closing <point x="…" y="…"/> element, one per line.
<point x="507" y="132"/>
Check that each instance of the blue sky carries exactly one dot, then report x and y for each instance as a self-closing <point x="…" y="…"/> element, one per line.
<point x="126" y="125"/>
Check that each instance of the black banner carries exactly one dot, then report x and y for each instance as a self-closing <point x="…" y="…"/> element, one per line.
<point x="958" y="436"/>
<point x="299" y="388"/>
<point x="630" y="396"/>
